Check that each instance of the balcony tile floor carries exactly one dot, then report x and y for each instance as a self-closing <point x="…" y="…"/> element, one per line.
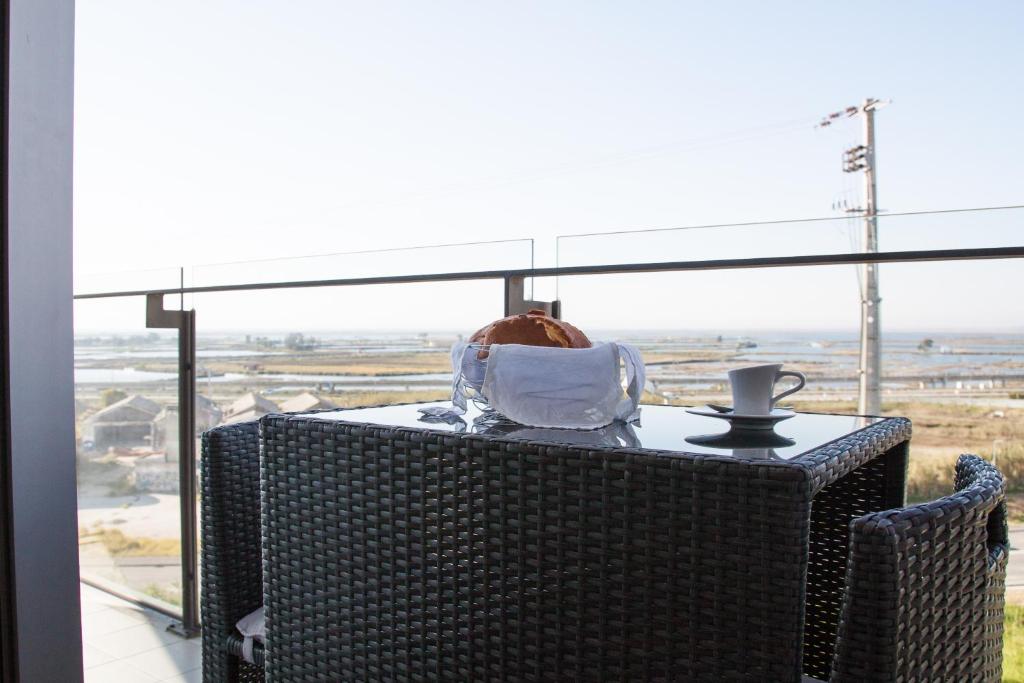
<point x="126" y="643"/>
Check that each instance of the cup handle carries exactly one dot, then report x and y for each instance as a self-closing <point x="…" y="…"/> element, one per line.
<point x="789" y="373"/>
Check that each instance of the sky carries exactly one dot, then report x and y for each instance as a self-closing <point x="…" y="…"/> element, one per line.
<point x="225" y="131"/>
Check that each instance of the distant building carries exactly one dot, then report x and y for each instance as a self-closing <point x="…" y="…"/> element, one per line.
<point x="165" y="425"/>
<point x="154" y="474"/>
<point x="208" y="415"/>
<point x="305" y="402"/>
<point x="125" y="424"/>
<point x="251" y="406"/>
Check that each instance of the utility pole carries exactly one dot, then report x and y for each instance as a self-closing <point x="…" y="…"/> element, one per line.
<point x="862" y="158"/>
<point x="870" y="394"/>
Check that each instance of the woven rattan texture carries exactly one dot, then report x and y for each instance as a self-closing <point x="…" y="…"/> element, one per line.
<point x="398" y="554"/>
<point x="924" y="598"/>
<point x="248" y="673"/>
<point x="835" y="460"/>
<point x="876" y="485"/>
<point x="232" y="580"/>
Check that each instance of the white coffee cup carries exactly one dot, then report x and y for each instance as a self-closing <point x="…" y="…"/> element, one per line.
<point x="752" y="388"/>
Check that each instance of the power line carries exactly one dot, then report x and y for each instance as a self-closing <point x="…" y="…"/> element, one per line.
<point x="788" y="220"/>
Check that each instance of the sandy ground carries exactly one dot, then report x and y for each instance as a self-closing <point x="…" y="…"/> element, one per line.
<point x="151" y="515"/>
<point x="1015" y="569"/>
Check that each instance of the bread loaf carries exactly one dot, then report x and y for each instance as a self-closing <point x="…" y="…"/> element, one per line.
<point x="534" y="328"/>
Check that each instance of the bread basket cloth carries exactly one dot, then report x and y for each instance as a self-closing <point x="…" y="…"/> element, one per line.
<point x="548" y="387"/>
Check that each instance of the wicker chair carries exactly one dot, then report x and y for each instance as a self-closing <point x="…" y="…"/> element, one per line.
<point x="232" y="575"/>
<point x="924" y="597"/>
<point x="924" y="588"/>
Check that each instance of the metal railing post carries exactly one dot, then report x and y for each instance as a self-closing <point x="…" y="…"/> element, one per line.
<point x="517" y="303"/>
<point x="514" y="293"/>
<point x="184" y="322"/>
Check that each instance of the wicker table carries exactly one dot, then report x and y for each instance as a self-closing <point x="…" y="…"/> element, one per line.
<point x="399" y="550"/>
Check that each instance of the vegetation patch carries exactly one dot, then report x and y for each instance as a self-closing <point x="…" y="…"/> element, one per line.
<point x="1013" y="645"/>
<point x="117" y="544"/>
<point x="170" y="594"/>
<point x="367" y="365"/>
<point x="356" y="399"/>
<point x="929" y="478"/>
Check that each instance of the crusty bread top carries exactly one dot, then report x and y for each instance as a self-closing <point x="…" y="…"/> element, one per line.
<point x="534" y="328"/>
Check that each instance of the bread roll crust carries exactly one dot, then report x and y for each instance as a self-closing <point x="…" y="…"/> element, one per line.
<point x="534" y="328"/>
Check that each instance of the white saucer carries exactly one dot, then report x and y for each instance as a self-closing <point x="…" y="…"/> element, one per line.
<point x="746" y="422"/>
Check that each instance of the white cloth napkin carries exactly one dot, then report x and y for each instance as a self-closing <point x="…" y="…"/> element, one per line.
<point x="252" y="626"/>
<point x="550" y="387"/>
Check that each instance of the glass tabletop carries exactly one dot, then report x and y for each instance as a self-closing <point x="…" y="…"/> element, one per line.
<point x="664" y="428"/>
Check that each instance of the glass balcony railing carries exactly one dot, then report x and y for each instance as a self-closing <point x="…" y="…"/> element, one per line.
<point x="334" y="346"/>
<point x="972" y="229"/>
<point x="952" y="348"/>
<point x="316" y="347"/>
<point x="128" y="281"/>
<point x="412" y="261"/>
<point x="952" y="351"/>
<point x="126" y="408"/>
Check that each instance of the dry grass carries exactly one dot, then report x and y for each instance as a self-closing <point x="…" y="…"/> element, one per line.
<point x="931" y="477"/>
<point x="942" y="431"/>
<point x="170" y="593"/>
<point x="947" y="429"/>
<point x="943" y="424"/>
<point x="368" y="365"/>
<point x="119" y="545"/>
<point x="952" y="426"/>
<point x="1013" y="645"/>
<point x="355" y="399"/>
<point x="360" y="367"/>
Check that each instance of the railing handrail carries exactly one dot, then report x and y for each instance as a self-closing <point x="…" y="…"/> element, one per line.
<point x="912" y="256"/>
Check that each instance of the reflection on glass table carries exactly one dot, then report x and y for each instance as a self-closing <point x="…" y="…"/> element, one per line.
<point x="664" y="428"/>
<point x="758" y="445"/>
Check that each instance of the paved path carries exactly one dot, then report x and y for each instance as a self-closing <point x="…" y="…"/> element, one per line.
<point x="1015" y="569"/>
<point x="149" y="515"/>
